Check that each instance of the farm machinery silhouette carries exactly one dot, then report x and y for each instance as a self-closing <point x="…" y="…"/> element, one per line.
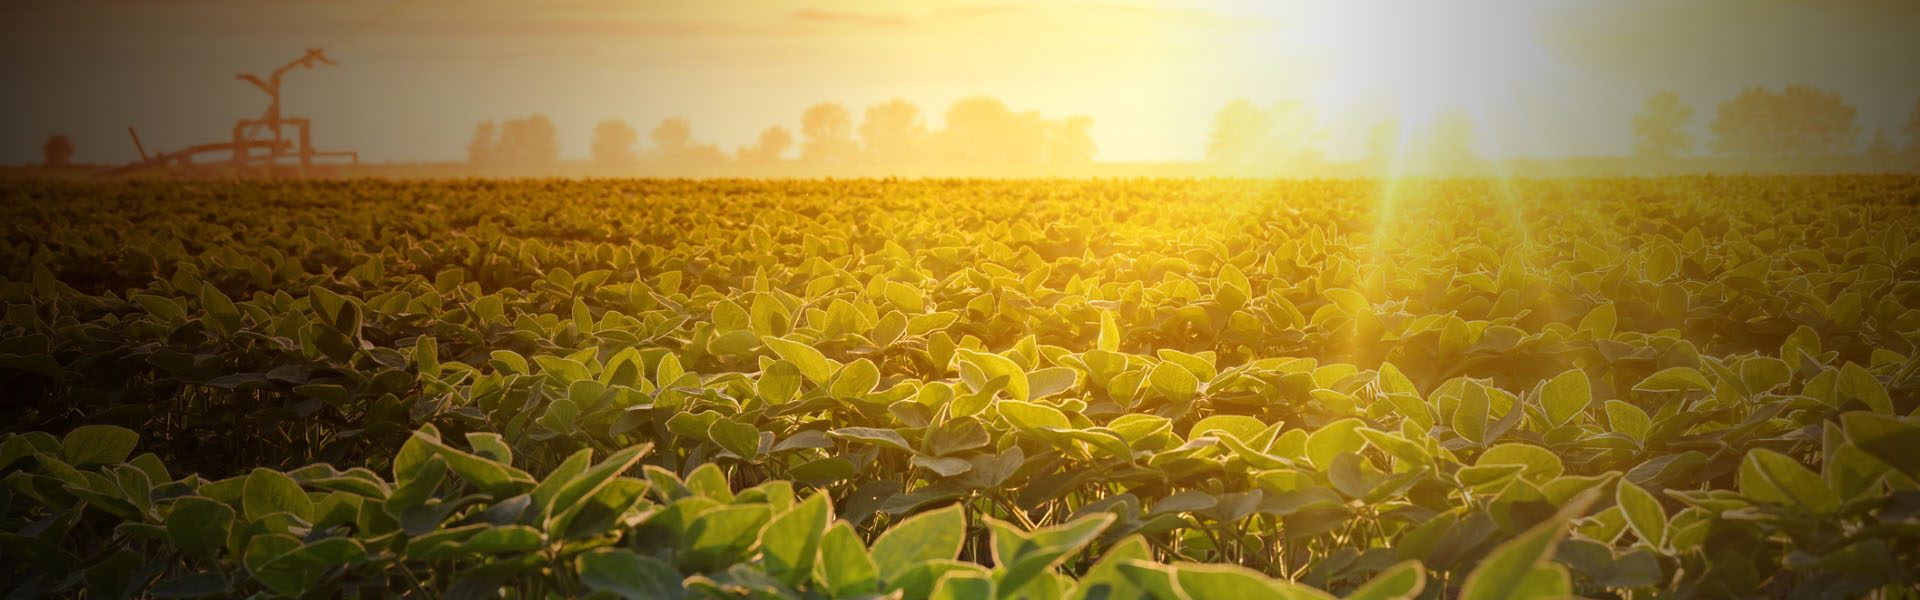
<point x="260" y="146"/>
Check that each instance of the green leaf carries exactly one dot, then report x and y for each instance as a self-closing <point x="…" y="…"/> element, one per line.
<point x="962" y="585"/>
<point x="1643" y="511"/>
<point x="855" y="380"/>
<point x="573" y="466"/>
<point x="1674" y="379"/>
<point x="846" y="570"/>
<point x="1625" y="418"/>
<point x="907" y="297"/>
<point x="932" y="535"/>
<point x="1029" y="415"/>
<point x="1776" y="478"/>
<point x="98" y="445"/>
<point x="1470" y="417"/>
<point x="1207" y="581"/>
<point x="1566" y="396"/>
<point x="627" y="575"/>
<point x="1509" y="567"/>
<point x="509" y="539"/>
<point x="741" y="439"/>
<point x="812" y="363"/>
<point x="1104" y="580"/>
<point x="721" y="537"/>
<point x="943" y="466"/>
<point x="268" y="491"/>
<point x="708" y="480"/>
<point x="1155" y="580"/>
<point x="823" y="471"/>
<point x="591" y="480"/>
<point x="1889" y="439"/>
<point x="1049" y="381"/>
<point x="498" y="479"/>
<point x="1109" y="339"/>
<point x="1600" y="321"/>
<point x="1856" y="383"/>
<point x="1019" y="557"/>
<point x="956" y="435"/>
<point x="1545" y="581"/>
<point x="562" y="416"/>
<point x="198" y="526"/>
<point x="162" y="307"/>
<point x="1403" y="581"/>
<point x="994" y="365"/>
<point x="790" y="543"/>
<point x="1241" y="427"/>
<point x="778" y="382"/>
<point x="1173" y="381"/>
<point x="1541" y="464"/>
<point x="1339" y="437"/>
<point x="873" y="436"/>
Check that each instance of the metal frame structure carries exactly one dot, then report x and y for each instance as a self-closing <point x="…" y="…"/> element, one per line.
<point x="257" y="144"/>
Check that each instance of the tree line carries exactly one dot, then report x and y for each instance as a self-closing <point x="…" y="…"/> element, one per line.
<point x="980" y="131"/>
<point x="1795" y="122"/>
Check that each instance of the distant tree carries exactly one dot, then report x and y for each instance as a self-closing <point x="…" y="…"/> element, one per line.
<point x="485" y="147"/>
<point x="1244" y="135"/>
<point x="1449" y="142"/>
<point x="1912" y="129"/>
<point x="672" y="136"/>
<point x="613" y="142"/>
<point x="1383" y="142"/>
<point x="770" y="148"/>
<point x="673" y="143"/>
<point x="827" y="129"/>
<point x="529" y="140"/>
<point x="57" y="151"/>
<point x="1237" y="128"/>
<point x="892" y="131"/>
<point x="1070" y="142"/>
<point x="1797" y="122"/>
<point x="1657" y="129"/>
<point x="1881" y="147"/>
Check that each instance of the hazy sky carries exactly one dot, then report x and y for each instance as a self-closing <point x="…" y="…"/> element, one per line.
<point x="1543" y="78"/>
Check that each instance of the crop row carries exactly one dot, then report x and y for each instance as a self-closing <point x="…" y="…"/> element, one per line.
<point x="1705" y="386"/>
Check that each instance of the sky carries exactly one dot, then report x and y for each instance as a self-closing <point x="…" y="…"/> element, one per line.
<point x="1541" y="78"/>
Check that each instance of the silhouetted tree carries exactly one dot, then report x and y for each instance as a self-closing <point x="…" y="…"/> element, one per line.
<point x="1236" y="130"/>
<point x="529" y="140"/>
<point x="892" y="131"/>
<point x="1799" y="121"/>
<point x="1657" y="129"/>
<point x="1245" y="135"/>
<point x="1881" y="147"/>
<point x="672" y="136"/>
<point x="57" y="151"/>
<point x="1912" y="129"/>
<point x="484" y="148"/>
<point x="770" y="148"/>
<point x="1070" y="142"/>
<point x="1449" y="142"/>
<point x="673" y="143"/>
<point x="983" y="131"/>
<point x="828" y="132"/>
<point x="613" y="142"/>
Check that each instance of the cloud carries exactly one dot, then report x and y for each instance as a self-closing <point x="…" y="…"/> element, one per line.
<point x="851" y="18"/>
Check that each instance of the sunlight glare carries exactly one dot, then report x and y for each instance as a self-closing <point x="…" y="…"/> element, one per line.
<point x="1429" y="58"/>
